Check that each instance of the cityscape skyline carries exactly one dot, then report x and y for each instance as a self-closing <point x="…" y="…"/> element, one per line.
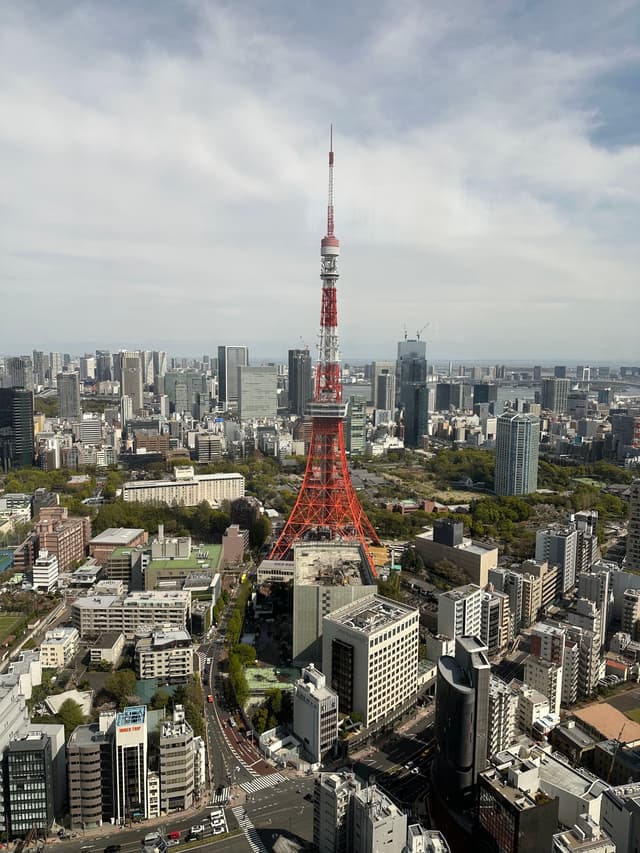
<point x="486" y="184"/>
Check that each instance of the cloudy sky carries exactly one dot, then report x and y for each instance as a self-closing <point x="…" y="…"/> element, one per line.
<point x="163" y="171"/>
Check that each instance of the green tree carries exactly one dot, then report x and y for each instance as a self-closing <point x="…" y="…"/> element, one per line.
<point x="71" y="716"/>
<point x="260" y="531"/>
<point x="160" y="699"/>
<point x="121" y="685"/>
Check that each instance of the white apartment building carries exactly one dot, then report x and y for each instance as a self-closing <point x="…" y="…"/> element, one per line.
<point x="503" y="708"/>
<point x="545" y="677"/>
<point x="494" y="622"/>
<point x="165" y="655"/>
<point x="199" y="765"/>
<point x="176" y="763"/>
<point x="460" y="612"/>
<point x="58" y="647"/>
<point x="129" y="614"/>
<point x="45" y="572"/>
<point x="532" y="705"/>
<point x="559" y="546"/>
<point x="332" y="802"/>
<point x="315" y="714"/>
<point x="377" y="824"/>
<point x="370" y="657"/>
<point x="187" y="489"/>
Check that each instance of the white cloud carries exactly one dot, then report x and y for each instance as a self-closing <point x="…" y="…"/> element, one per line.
<point x="164" y="179"/>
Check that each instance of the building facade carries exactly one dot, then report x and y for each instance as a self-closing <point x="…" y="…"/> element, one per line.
<point x="517" y="440"/>
<point x="315" y="714"/>
<point x="370" y="657"/>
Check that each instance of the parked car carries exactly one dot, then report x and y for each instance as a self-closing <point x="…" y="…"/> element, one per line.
<point x="113" y="848"/>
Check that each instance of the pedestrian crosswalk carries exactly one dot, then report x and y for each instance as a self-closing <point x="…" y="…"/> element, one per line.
<point x="222" y="797"/>
<point x="263" y="782"/>
<point x="249" y="830"/>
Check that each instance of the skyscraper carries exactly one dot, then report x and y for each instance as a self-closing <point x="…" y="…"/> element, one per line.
<point x="555" y="394"/>
<point x="16" y="428"/>
<point x="257" y="392"/>
<point x="414" y="400"/>
<point x="633" y="539"/>
<point x="300" y="386"/>
<point x="20" y="370"/>
<point x="384" y="386"/>
<point x="517" y="439"/>
<point x="69" y="406"/>
<point x="462" y="719"/>
<point x="230" y="358"/>
<point x="131" y="379"/>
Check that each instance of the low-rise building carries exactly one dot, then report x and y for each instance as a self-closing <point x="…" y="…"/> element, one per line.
<point x="620" y="817"/>
<point x="166" y="656"/>
<point x="45" y="572"/>
<point x="585" y="837"/>
<point x="96" y="614"/>
<point x="108" y="647"/>
<point x="58" y="647"/>
<point x="447" y="543"/>
<point x="102" y="545"/>
<point x="186" y="489"/>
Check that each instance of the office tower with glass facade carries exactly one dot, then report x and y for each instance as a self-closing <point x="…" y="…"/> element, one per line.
<point x="300" y="381"/>
<point x="69" y="407"/>
<point x="230" y="358"/>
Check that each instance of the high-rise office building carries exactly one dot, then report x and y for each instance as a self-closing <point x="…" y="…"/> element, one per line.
<point x="517" y="440"/>
<point x="414" y="399"/>
<point x="485" y="392"/>
<point x="55" y="365"/>
<point x="187" y="392"/>
<point x="462" y="720"/>
<point x="16" y="428"/>
<point x="29" y="785"/>
<point x="370" y="657"/>
<point x="300" y="381"/>
<point x="131" y="384"/>
<point x="384" y="385"/>
<point x="555" y="395"/>
<point x="40" y="366"/>
<point x="230" y="358"/>
<point x="130" y="766"/>
<point x="104" y="365"/>
<point x="632" y="562"/>
<point x="20" y="370"/>
<point x="560" y="371"/>
<point x="355" y="428"/>
<point x="257" y="392"/>
<point x="594" y="586"/>
<point x="69" y="406"/>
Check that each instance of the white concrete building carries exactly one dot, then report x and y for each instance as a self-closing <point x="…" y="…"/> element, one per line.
<point x="176" y="763"/>
<point x="532" y="705"/>
<point x="315" y="714"/>
<point x="45" y="572"/>
<point x="620" y="817"/>
<point x="460" y="612"/>
<point x="165" y="655"/>
<point x="97" y="614"/>
<point x="187" y="489"/>
<point x="58" y="647"/>
<point x="199" y="765"/>
<point x="585" y="837"/>
<point x="545" y="677"/>
<point x="370" y="657"/>
<point x="130" y="765"/>
<point x="559" y="546"/>
<point x="377" y="824"/>
<point x="503" y="708"/>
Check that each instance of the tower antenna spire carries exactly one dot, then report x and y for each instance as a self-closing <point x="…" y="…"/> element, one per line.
<point x="330" y="204"/>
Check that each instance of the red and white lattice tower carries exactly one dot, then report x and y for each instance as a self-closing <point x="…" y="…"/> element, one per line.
<point x="327" y="507"/>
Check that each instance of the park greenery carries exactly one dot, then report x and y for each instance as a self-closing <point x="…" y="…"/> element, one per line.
<point x="191" y="697"/>
<point x="239" y="653"/>
<point x="203" y="522"/>
<point x="277" y="710"/>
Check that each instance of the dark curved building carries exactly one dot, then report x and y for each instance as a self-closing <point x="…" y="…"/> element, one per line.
<point x="462" y="708"/>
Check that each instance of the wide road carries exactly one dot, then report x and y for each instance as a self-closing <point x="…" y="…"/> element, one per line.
<point x="282" y="810"/>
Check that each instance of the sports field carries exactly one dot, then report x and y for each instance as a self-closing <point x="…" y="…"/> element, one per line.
<point x="8" y="623"/>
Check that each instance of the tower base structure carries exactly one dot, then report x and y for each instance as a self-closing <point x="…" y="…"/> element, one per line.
<point x="327" y="508"/>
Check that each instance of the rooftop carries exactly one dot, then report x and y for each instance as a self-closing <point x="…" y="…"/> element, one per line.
<point x="370" y="614"/>
<point x="134" y="715"/>
<point x="201" y="557"/>
<point x="609" y="722"/>
<point x="460" y="592"/>
<point x="330" y="564"/>
<point x="117" y="536"/>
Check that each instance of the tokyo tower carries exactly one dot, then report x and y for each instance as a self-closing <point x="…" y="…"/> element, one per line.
<point x="327" y="507"/>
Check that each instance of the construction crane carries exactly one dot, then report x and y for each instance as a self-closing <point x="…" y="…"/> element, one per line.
<point x="426" y="325"/>
<point x="616" y="750"/>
